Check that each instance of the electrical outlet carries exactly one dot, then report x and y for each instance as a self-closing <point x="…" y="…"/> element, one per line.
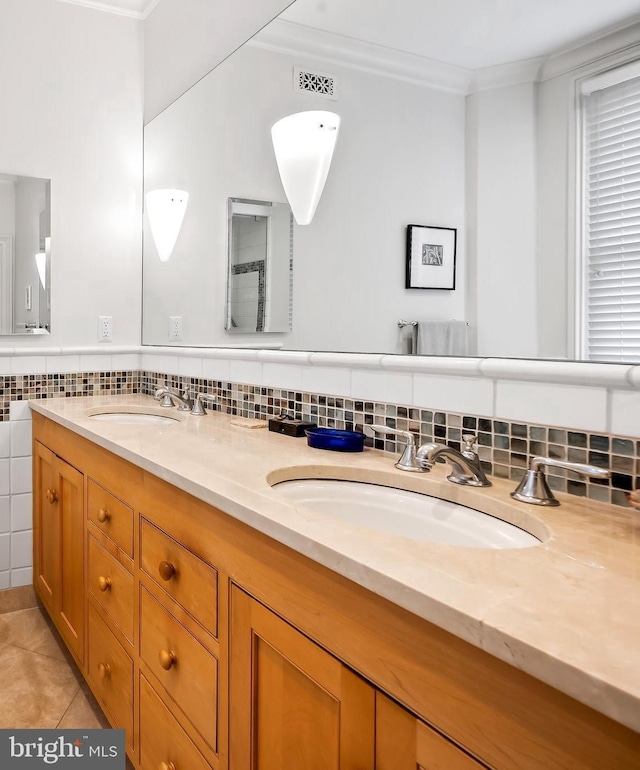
<point x="105" y="328"/>
<point x="175" y="328"/>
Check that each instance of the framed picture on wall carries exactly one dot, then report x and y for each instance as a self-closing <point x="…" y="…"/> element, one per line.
<point x="431" y="257"/>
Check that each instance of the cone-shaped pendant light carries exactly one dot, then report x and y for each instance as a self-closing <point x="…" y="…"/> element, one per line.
<point x="165" y="209"/>
<point x="303" y="144"/>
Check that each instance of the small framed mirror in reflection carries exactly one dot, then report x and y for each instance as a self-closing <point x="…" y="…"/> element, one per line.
<point x="260" y="266"/>
<point x="25" y="255"/>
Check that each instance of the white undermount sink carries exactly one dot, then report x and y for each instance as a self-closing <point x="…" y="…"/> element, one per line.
<point x="133" y="418"/>
<point x="407" y="514"/>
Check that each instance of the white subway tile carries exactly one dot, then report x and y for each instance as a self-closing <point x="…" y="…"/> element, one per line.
<point x="327" y="379"/>
<point x="21" y="549"/>
<point x="21" y="511"/>
<point x="215" y="369"/>
<point x="5" y="514"/>
<point x="62" y="364"/>
<point x="19" y="410"/>
<point x="29" y="365"/>
<point x="246" y="372"/>
<point x="97" y="363"/>
<point x="566" y="406"/>
<point x="5" y="439"/>
<point x="471" y="395"/>
<point x="21" y="577"/>
<point x="5" y="551"/>
<point x="625" y="413"/>
<point x="5" y="477"/>
<point x="21" y="438"/>
<point x="190" y="367"/>
<point x="20" y="475"/>
<point x="152" y="362"/>
<point x="370" y="385"/>
<point x="5" y="364"/>
<point x="286" y="376"/>
<point x="123" y="362"/>
<point x="5" y="580"/>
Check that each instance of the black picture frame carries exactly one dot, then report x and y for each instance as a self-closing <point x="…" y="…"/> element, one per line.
<point x="431" y="257"/>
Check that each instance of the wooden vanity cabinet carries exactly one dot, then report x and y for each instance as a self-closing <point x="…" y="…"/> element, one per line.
<point x="58" y="562"/>
<point x="218" y="648"/>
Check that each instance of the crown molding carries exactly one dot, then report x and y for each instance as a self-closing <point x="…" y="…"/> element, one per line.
<point x="133" y="9"/>
<point x="620" y="40"/>
<point x="514" y="73"/>
<point x="298" y="40"/>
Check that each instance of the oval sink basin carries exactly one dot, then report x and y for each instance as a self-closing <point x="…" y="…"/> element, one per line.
<point x="133" y="418"/>
<point x="407" y="514"/>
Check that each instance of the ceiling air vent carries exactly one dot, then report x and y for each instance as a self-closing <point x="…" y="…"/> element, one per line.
<point x="317" y="83"/>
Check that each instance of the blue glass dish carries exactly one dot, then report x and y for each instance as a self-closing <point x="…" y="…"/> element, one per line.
<point x="335" y="440"/>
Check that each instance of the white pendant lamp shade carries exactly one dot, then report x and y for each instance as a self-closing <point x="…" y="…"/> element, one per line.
<point x="303" y="144"/>
<point x="41" y="264"/>
<point x="166" y="209"/>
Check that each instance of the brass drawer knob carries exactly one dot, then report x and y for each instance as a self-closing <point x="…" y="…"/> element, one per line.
<point x="103" y="515"/>
<point x="104" y="669"/>
<point x="167" y="659"/>
<point x="167" y="766"/>
<point x="52" y="496"/>
<point x="104" y="583"/>
<point x="166" y="570"/>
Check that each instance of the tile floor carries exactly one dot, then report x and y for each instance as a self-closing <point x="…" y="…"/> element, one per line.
<point x="40" y="685"/>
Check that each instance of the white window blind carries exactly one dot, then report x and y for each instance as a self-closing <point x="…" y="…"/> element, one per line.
<point x="612" y="222"/>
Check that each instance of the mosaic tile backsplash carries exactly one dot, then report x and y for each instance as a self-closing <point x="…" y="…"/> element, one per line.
<point x="504" y="447"/>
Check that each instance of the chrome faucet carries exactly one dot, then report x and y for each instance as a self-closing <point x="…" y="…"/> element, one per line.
<point x="465" y="465"/>
<point x="407" y="461"/>
<point x="465" y="468"/>
<point x="169" y="396"/>
<point x="533" y="487"/>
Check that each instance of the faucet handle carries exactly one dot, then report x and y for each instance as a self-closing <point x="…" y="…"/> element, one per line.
<point x="198" y="409"/>
<point x="407" y="461"/>
<point x="163" y="393"/>
<point x="533" y="487"/>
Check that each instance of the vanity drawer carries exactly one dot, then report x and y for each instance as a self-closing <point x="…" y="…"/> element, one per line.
<point x="111" y="516"/>
<point x="186" y="577"/>
<point x="110" y="671"/>
<point x="111" y="585"/>
<point x="162" y="740"/>
<point x="187" y="671"/>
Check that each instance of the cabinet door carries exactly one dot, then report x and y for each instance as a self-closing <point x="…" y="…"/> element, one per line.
<point x="70" y="493"/>
<point x="58" y="550"/>
<point x="293" y="705"/>
<point x="404" y="742"/>
<point x="46" y="558"/>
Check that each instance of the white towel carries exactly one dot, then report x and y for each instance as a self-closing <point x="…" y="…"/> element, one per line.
<point x="443" y="338"/>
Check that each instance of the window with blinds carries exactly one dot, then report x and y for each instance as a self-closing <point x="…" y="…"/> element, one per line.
<point x="611" y="258"/>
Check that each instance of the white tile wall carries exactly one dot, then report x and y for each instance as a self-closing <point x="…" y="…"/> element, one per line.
<point x="20" y="500"/>
<point x="448" y="393"/>
<point x="5" y="477"/>
<point x="5" y="514"/>
<point x="5" y="580"/>
<point x="5" y="439"/>
<point x="5" y="551"/>
<point x="372" y="385"/>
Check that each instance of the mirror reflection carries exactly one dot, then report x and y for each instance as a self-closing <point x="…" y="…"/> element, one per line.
<point x="25" y="255"/>
<point x="260" y="262"/>
<point x="439" y="131"/>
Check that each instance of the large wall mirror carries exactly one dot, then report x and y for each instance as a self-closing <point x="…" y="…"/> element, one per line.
<point x="444" y="125"/>
<point x="25" y="255"/>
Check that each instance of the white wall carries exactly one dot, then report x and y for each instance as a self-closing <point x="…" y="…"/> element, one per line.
<point x="71" y="101"/>
<point x="349" y="264"/>
<point x="185" y="39"/>
<point x="501" y="196"/>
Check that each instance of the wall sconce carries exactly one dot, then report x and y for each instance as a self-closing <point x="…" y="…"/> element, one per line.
<point x="41" y="264"/>
<point x="303" y="144"/>
<point x="166" y="209"/>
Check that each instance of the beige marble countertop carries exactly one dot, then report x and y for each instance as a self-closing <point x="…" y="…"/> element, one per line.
<point x="566" y="611"/>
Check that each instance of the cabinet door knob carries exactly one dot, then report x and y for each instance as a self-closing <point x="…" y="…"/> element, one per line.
<point x="103" y="515"/>
<point x="166" y="570"/>
<point x="104" y="669"/>
<point x="104" y="583"/>
<point x="52" y="496"/>
<point x="166" y="766"/>
<point x="167" y="659"/>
